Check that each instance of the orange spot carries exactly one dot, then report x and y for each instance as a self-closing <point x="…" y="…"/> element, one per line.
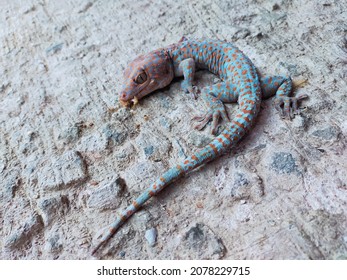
<point x="222" y="142"/>
<point x="246" y="111"/>
<point x="246" y="119"/>
<point x="244" y="72"/>
<point x="186" y="162"/>
<point x="239" y="124"/>
<point x="250" y="102"/>
<point x="227" y="136"/>
<point x="194" y="158"/>
<point x="213" y="148"/>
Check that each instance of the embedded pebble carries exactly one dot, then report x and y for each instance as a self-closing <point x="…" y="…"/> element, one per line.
<point x="151" y="236"/>
<point x="328" y="133"/>
<point x="53" y="208"/>
<point x="284" y="163"/>
<point x="107" y="195"/>
<point x="65" y="171"/>
<point x="24" y="233"/>
<point x="200" y="242"/>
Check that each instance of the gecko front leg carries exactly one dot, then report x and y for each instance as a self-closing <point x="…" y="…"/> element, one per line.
<point x="186" y="68"/>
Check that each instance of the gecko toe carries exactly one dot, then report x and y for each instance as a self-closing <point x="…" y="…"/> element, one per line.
<point x="194" y="91"/>
<point x="203" y="121"/>
<point x="288" y="106"/>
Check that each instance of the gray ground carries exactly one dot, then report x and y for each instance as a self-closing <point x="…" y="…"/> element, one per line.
<point x="71" y="156"/>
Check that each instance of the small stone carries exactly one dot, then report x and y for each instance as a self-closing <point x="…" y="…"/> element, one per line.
<point x="53" y="208"/>
<point x="65" y="171"/>
<point x="284" y="163"/>
<point x="328" y="133"/>
<point x="24" y="233"/>
<point x="199" y="242"/>
<point x="299" y="122"/>
<point x="114" y="136"/>
<point x="122" y="254"/>
<point x="54" y="244"/>
<point x="108" y="195"/>
<point x="151" y="236"/>
<point x="148" y="150"/>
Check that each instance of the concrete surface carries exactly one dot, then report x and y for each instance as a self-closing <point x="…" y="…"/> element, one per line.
<point x="71" y="157"/>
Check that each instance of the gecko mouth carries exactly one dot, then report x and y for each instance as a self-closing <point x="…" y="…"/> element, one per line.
<point x="130" y="103"/>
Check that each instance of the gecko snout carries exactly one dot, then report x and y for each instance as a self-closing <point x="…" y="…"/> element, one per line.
<point x="123" y="96"/>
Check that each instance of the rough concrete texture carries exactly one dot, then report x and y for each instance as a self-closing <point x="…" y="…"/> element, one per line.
<point x="71" y="156"/>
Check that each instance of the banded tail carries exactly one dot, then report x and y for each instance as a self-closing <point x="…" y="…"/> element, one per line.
<point x="235" y="130"/>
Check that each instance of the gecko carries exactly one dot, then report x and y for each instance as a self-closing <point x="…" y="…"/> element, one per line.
<point x="239" y="83"/>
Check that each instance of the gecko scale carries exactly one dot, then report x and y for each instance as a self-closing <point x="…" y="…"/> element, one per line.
<point x="240" y="83"/>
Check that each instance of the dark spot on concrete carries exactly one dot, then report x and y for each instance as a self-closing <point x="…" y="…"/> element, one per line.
<point x="284" y="163"/>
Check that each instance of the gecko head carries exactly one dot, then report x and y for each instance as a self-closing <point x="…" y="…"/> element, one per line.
<point x="144" y="75"/>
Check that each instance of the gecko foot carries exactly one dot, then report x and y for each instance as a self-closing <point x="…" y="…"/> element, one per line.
<point x="288" y="106"/>
<point x="213" y="115"/>
<point x="193" y="90"/>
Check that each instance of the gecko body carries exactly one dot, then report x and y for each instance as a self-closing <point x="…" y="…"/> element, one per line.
<point x="240" y="83"/>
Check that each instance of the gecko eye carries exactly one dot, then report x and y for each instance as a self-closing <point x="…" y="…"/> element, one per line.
<point x="141" y="78"/>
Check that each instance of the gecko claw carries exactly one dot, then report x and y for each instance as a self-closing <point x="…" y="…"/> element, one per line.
<point x="215" y="116"/>
<point x="193" y="90"/>
<point x="288" y="106"/>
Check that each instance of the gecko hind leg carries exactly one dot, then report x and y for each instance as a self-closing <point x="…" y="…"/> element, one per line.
<point x="286" y="105"/>
<point x="214" y="97"/>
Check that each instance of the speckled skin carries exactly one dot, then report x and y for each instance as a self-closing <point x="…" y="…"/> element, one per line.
<point x="241" y="84"/>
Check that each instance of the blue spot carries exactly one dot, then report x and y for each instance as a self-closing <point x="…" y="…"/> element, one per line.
<point x="149" y="150"/>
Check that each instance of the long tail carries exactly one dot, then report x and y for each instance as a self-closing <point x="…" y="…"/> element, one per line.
<point x="227" y="139"/>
